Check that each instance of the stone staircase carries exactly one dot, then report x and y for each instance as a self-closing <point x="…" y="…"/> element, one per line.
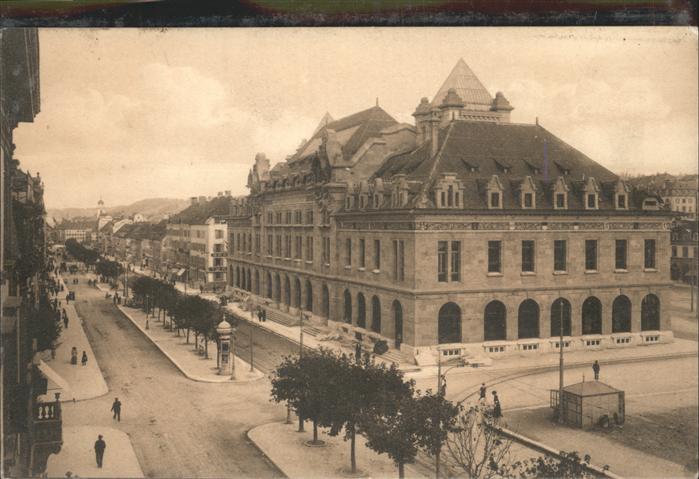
<point x="312" y="330"/>
<point x="281" y="317"/>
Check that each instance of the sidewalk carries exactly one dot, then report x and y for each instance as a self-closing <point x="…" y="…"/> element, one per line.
<point x="78" y="455"/>
<point x="184" y="356"/>
<point x="85" y="382"/>
<point x="287" y="450"/>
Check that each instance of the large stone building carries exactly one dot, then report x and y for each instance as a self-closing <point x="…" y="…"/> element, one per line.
<point x="464" y="230"/>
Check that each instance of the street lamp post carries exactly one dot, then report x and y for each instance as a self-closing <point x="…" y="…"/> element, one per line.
<point x="441" y="391"/>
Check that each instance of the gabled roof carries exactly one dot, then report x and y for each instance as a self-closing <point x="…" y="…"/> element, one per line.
<point x="351" y="132"/>
<point x="197" y="214"/>
<point x="466" y="85"/>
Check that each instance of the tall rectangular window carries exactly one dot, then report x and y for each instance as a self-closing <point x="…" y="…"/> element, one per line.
<point x="299" y="247"/>
<point x="494" y="257"/>
<point x="257" y="243"/>
<point x="398" y="260"/>
<point x="309" y="248"/>
<point x="442" y="254"/>
<point x="591" y="255"/>
<point x="377" y="254"/>
<point x="348" y="252"/>
<point x="279" y="245"/>
<point x="560" y="260"/>
<point x="456" y="260"/>
<point x="528" y="256"/>
<point x="528" y="200"/>
<point x="270" y="244"/>
<point x="495" y="200"/>
<point x="620" y="254"/>
<point x="362" y="253"/>
<point x="649" y="254"/>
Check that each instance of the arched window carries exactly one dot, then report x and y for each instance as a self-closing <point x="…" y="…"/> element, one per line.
<point x="348" y="307"/>
<point x="449" y="324"/>
<point x="495" y="322"/>
<point x="326" y="301"/>
<point x="621" y="315"/>
<point x="592" y="316"/>
<point x="361" y="311"/>
<point x="248" y="281"/>
<point x="560" y="308"/>
<point x="257" y="282"/>
<point x="650" y="313"/>
<point x="397" y="322"/>
<point x="375" y="315"/>
<point x="297" y="293"/>
<point x="237" y="277"/>
<point x="277" y="288"/>
<point x="309" y="296"/>
<point x="269" y="285"/>
<point x="528" y="320"/>
<point x="287" y="290"/>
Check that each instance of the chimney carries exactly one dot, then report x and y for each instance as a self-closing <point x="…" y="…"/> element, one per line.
<point x="193" y="200"/>
<point x="228" y="192"/>
<point x="435" y="119"/>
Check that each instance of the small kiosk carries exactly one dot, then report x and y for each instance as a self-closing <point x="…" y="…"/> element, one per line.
<point x="590" y="403"/>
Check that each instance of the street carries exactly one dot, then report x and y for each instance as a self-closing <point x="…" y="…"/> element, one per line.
<point x="179" y="428"/>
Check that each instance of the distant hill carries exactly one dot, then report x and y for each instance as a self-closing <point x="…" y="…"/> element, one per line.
<point x="154" y="209"/>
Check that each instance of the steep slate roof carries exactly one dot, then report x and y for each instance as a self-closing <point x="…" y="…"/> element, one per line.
<point x="198" y="214"/>
<point x="352" y="132"/>
<point x="490" y="148"/>
<point x="467" y="86"/>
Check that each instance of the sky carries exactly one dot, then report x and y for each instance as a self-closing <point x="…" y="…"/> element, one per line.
<point x="128" y="114"/>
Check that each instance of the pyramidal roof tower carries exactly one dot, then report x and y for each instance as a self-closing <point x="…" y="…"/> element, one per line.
<point x="467" y="86"/>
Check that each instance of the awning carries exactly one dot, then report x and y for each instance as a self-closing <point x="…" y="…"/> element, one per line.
<point x="54" y="377"/>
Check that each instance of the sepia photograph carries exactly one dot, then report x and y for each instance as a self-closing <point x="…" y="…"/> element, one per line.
<point x="412" y="252"/>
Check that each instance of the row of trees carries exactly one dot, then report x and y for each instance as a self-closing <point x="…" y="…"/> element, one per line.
<point x="81" y="253"/>
<point x="185" y="312"/>
<point x="357" y="396"/>
<point x="353" y="396"/>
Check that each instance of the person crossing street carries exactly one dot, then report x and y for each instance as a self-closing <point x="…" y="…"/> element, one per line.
<point x="116" y="408"/>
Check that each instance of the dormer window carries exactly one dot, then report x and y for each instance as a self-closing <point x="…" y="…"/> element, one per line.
<point x="495" y="191"/>
<point x="527" y="193"/>
<point x="621" y="202"/>
<point x="528" y="200"/>
<point x="591" y="201"/>
<point x="621" y="195"/>
<point x="447" y="191"/>
<point x="560" y="200"/>
<point x="591" y="190"/>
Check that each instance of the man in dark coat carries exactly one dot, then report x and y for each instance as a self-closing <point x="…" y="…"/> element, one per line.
<point x="595" y="369"/>
<point x="116" y="408"/>
<point x="497" y="409"/>
<point x="482" y="392"/>
<point x="100" y="446"/>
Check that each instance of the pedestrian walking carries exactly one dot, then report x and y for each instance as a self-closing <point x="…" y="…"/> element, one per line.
<point x="74" y="356"/>
<point x="100" y="446"/>
<point x="68" y="298"/>
<point x="116" y="409"/>
<point x="497" y="409"/>
<point x="595" y="368"/>
<point x="357" y="352"/>
<point x="84" y="359"/>
<point x="65" y="321"/>
<point x="482" y="392"/>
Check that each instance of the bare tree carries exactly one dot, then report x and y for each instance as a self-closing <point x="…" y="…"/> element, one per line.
<point x="476" y="448"/>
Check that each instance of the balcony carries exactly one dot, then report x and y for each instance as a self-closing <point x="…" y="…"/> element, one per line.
<point x="46" y="433"/>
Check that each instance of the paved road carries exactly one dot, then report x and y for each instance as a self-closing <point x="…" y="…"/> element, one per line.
<point x="179" y="428"/>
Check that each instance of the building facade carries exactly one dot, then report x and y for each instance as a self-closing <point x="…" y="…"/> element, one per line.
<point x="194" y="249"/>
<point x="685" y="246"/>
<point x="464" y="233"/>
<point x="31" y="430"/>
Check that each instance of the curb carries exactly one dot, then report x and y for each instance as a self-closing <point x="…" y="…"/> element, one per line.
<point x="252" y="441"/>
<point x="177" y="364"/>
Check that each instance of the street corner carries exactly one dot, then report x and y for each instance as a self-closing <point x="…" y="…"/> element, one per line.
<point x="78" y="457"/>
